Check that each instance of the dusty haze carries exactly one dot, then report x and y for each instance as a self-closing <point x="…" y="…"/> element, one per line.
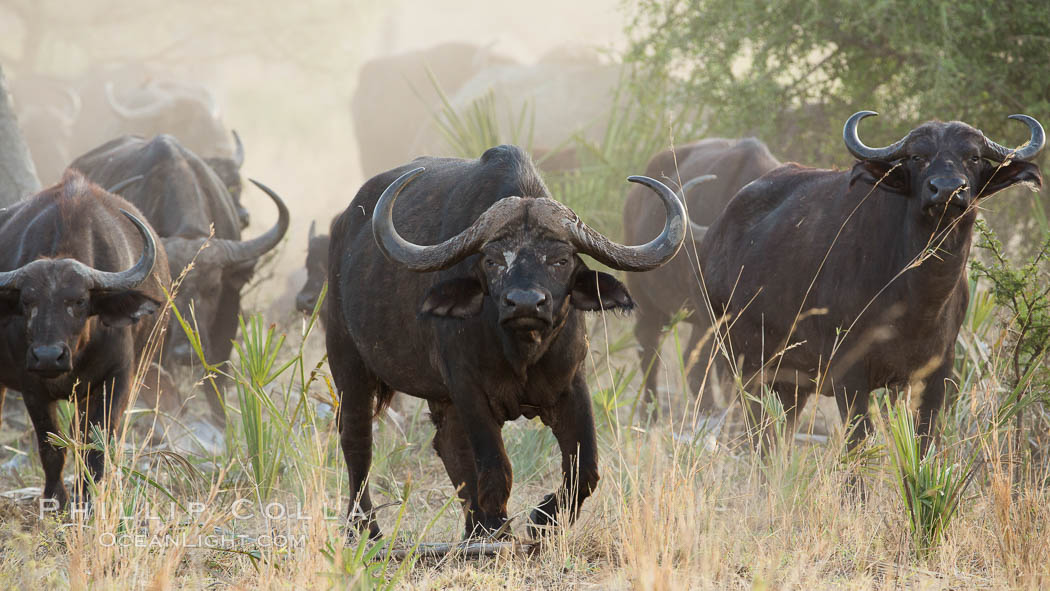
<point x="284" y="74"/>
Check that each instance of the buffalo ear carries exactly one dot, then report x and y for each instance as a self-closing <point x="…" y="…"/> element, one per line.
<point x="9" y="303"/>
<point x="122" y="308"/>
<point x="1001" y="177"/>
<point x="461" y="297"/>
<point x="888" y="175"/>
<point x="596" y="291"/>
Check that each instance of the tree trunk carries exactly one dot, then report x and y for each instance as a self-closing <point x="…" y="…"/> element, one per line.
<point x="17" y="174"/>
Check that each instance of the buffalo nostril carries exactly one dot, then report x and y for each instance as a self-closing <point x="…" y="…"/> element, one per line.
<point x="49" y="357"/>
<point x="945" y="189"/>
<point x="521" y="298"/>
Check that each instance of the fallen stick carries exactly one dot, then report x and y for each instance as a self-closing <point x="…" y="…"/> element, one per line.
<point x="465" y="549"/>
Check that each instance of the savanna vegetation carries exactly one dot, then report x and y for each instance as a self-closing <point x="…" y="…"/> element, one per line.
<point x="678" y="507"/>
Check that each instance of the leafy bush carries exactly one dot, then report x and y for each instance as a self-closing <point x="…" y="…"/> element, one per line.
<point x="793" y="71"/>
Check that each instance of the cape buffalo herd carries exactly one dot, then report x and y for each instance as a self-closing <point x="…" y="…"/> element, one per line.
<point x="200" y="226"/>
<point x="61" y="117"/>
<point x="463" y="282"/>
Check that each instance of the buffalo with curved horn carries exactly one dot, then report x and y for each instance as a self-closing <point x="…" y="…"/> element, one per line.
<point x="190" y="208"/>
<point x="78" y="282"/>
<point x="712" y="171"/>
<point x="466" y="288"/>
<point x="844" y="282"/>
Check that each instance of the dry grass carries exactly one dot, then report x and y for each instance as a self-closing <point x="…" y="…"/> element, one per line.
<point x="671" y="511"/>
<point x="669" y="514"/>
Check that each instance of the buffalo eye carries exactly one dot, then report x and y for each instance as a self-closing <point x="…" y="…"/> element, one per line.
<point x="917" y="158"/>
<point x="491" y="263"/>
<point x="975" y="159"/>
<point x="560" y="262"/>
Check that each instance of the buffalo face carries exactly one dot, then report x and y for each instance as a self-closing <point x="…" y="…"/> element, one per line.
<point x="56" y="297"/>
<point x="528" y="264"/>
<point x="217" y="269"/>
<point x="944" y="168"/>
<point x="531" y="283"/>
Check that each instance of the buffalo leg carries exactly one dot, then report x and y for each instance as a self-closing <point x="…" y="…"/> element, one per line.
<point x="3" y="395"/>
<point x="930" y="405"/>
<point x="648" y="328"/>
<point x="52" y="457"/>
<point x="491" y="464"/>
<point x="220" y="341"/>
<point x="105" y="408"/>
<point x="573" y="427"/>
<point x="357" y="392"/>
<point x="853" y="409"/>
<point x="696" y="361"/>
<point x="793" y="398"/>
<point x="453" y="447"/>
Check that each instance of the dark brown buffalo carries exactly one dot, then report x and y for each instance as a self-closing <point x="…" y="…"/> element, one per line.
<point x="842" y="282"/>
<point x="184" y="199"/>
<point x="486" y="325"/>
<point x="661" y="294"/>
<point x="76" y="276"/>
<point x="316" y="275"/>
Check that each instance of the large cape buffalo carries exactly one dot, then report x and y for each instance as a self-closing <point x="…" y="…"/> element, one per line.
<point x="660" y="295"/>
<point x="184" y="199"/>
<point x="486" y="325"/>
<point x="842" y="282"/>
<point x="76" y="277"/>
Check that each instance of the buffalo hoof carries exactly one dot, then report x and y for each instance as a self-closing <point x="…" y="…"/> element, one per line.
<point x="354" y="529"/>
<point x="491" y="528"/>
<point x="542" y="519"/>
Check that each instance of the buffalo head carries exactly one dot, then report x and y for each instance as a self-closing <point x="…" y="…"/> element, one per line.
<point x="528" y="264"/>
<point x="944" y="168"/>
<point x="218" y="265"/>
<point x="56" y="297"/>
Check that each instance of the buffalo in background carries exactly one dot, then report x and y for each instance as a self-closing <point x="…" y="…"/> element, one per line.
<point x="78" y="284"/>
<point x="63" y="117"/>
<point x="662" y="293"/>
<point x="395" y="97"/>
<point x="316" y="275"/>
<point x="569" y="90"/>
<point x="184" y="200"/>
<point x="843" y="282"/>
